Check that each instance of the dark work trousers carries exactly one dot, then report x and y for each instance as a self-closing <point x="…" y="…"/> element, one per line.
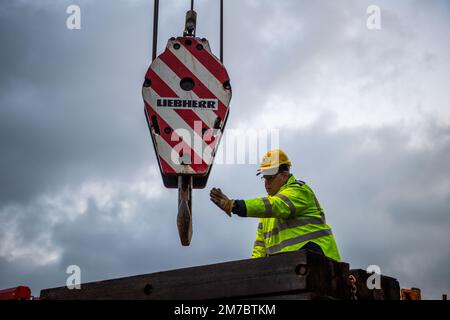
<point x="313" y="247"/>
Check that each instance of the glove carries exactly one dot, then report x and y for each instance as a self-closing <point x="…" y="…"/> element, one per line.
<point x="221" y="200"/>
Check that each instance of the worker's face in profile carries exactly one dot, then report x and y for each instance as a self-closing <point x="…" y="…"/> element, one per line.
<point x="273" y="183"/>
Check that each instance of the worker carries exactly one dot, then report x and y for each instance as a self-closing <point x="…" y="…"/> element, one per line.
<point x="290" y="216"/>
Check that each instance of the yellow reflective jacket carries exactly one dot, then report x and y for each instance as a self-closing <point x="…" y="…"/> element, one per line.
<point x="289" y="220"/>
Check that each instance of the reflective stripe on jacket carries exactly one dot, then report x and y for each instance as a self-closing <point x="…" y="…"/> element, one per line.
<point x="289" y="220"/>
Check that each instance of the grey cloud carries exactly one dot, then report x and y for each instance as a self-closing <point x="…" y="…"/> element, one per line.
<point x="65" y="96"/>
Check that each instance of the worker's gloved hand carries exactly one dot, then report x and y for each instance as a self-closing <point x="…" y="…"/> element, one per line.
<point x="221" y="200"/>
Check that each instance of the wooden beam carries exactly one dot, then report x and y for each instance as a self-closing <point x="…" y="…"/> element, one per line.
<point x="300" y="274"/>
<point x="389" y="287"/>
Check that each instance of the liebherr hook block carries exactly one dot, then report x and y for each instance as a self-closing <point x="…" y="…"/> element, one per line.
<point x="186" y="94"/>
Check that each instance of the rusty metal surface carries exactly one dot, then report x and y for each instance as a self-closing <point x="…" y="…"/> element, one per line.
<point x="411" y="294"/>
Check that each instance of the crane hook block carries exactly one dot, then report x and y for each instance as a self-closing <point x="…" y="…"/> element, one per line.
<point x="186" y="95"/>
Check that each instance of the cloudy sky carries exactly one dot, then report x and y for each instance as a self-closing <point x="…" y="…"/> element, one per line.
<point x="364" y="115"/>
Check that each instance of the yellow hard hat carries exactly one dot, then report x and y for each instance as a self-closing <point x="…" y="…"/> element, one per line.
<point x="271" y="161"/>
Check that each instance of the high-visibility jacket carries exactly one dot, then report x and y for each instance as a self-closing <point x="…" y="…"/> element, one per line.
<point x="289" y="220"/>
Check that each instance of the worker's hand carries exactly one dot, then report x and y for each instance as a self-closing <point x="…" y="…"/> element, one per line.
<point x="221" y="200"/>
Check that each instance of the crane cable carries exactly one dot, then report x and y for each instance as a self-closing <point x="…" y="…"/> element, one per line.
<point x="221" y="30"/>
<point x="155" y="27"/>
